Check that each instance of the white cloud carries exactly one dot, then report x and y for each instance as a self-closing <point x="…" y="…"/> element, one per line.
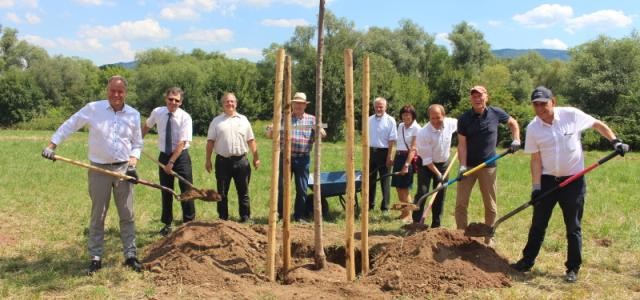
<point x="6" y="3"/>
<point x="305" y="3"/>
<point x="40" y="41"/>
<point x="284" y="22"/>
<point x="259" y="3"/>
<point x="443" y="37"/>
<point x="30" y="3"/>
<point x="128" y="30"/>
<point x="32" y="19"/>
<point x="83" y="45"/>
<point x="188" y="9"/>
<point x="11" y="16"/>
<point x="244" y="53"/>
<point x="554" y="44"/>
<point x="124" y="48"/>
<point x="601" y="19"/>
<point x="545" y="15"/>
<point x="90" y="2"/>
<point x="208" y="36"/>
<point x="494" y="23"/>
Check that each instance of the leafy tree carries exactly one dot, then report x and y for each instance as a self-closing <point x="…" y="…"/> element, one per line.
<point x="470" y="50"/>
<point x="20" y="97"/>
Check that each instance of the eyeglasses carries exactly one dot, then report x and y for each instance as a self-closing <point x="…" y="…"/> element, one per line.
<point x="173" y="100"/>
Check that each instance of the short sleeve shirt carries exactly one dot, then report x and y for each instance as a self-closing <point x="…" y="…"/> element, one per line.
<point x="382" y="130"/>
<point x="230" y="134"/>
<point x="181" y="124"/>
<point x="406" y="135"/>
<point x="433" y="144"/>
<point x="559" y="143"/>
<point x="481" y="131"/>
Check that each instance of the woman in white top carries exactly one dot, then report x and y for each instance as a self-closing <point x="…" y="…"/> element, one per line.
<point x="406" y="151"/>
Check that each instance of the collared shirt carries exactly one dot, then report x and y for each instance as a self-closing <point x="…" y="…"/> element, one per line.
<point x="302" y="134"/>
<point x="481" y="131"/>
<point x="230" y="134"/>
<point x="382" y="130"/>
<point x="113" y="136"/>
<point x="181" y="126"/>
<point x="406" y="135"/>
<point x="559" y="142"/>
<point x="434" y="144"/>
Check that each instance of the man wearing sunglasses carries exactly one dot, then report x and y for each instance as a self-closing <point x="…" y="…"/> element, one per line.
<point x="174" y="135"/>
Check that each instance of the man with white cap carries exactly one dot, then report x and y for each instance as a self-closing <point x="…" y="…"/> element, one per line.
<point x="477" y="140"/>
<point x="553" y="140"/>
<point x="302" y="138"/>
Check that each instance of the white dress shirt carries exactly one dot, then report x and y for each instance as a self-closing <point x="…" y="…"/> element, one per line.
<point x="382" y="130"/>
<point x="113" y="136"/>
<point x="181" y="127"/>
<point x="406" y="135"/>
<point x="230" y="134"/>
<point x="434" y="144"/>
<point x="559" y="142"/>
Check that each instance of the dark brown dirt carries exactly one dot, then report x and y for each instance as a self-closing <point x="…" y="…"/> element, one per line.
<point x="604" y="242"/>
<point x="229" y="259"/>
<point x="477" y="230"/>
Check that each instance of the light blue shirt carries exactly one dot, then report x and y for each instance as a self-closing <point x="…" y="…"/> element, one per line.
<point x="382" y="130"/>
<point x="113" y="136"/>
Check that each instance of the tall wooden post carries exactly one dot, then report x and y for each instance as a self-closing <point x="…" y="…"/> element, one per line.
<point x="286" y="170"/>
<point x="275" y="158"/>
<point x="364" y="217"/>
<point x="320" y="257"/>
<point x="349" y="164"/>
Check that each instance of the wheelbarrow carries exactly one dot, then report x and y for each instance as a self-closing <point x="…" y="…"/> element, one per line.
<point x="333" y="184"/>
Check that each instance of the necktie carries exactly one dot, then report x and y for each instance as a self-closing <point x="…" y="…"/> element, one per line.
<point x="167" y="137"/>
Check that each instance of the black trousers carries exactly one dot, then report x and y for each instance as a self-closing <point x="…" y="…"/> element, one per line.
<point x="426" y="178"/>
<point x="238" y="169"/>
<point x="571" y="200"/>
<point x="378" y="167"/>
<point x="182" y="166"/>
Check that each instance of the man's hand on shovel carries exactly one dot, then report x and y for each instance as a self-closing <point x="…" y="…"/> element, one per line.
<point x="49" y="153"/>
<point x="131" y="172"/>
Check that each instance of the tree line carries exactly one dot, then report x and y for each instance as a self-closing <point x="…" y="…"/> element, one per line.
<point x="602" y="77"/>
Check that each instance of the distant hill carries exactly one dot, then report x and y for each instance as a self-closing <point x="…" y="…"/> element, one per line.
<point x="549" y="54"/>
<point x="127" y="65"/>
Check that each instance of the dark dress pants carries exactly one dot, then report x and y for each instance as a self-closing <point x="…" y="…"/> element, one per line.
<point x="238" y="169"/>
<point x="182" y="166"/>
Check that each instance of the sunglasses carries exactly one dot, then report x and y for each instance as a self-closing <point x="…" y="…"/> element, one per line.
<point x="173" y="100"/>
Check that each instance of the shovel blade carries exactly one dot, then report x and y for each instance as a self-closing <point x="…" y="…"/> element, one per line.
<point x="404" y="206"/>
<point x="204" y="195"/>
<point x="479" y="230"/>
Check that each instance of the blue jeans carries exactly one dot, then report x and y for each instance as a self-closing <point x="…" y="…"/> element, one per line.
<point x="300" y="173"/>
<point x="571" y="200"/>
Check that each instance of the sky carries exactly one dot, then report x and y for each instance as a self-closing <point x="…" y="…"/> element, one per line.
<point x="110" y="31"/>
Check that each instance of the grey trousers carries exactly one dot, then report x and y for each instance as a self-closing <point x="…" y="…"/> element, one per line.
<point x="100" y="188"/>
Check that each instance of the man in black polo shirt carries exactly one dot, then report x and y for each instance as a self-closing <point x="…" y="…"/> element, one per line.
<point x="477" y="140"/>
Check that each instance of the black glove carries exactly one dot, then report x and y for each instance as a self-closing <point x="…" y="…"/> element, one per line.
<point x="515" y="146"/>
<point x="131" y="172"/>
<point x="619" y="146"/>
<point x="535" y="193"/>
<point x="49" y="153"/>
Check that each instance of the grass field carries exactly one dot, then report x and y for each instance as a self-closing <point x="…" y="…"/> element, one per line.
<point x="44" y="211"/>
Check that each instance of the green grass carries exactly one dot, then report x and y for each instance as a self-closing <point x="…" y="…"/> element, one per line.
<point x="44" y="208"/>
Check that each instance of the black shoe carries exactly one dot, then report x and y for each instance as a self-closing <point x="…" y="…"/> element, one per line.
<point x="165" y="230"/>
<point x="521" y="266"/>
<point x="134" y="264"/>
<point x="246" y="220"/>
<point x="94" y="266"/>
<point x="572" y="276"/>
<point x="301" y="221"/>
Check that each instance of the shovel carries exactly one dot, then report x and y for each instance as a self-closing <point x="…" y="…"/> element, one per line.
<point x="117" y="175"/>
<point x="480" y="230"/>
<point x="452" y="181"/>
<point x="194" y="192"/>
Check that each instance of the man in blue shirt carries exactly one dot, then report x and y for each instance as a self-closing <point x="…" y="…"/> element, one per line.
<point x="477" y="140"/>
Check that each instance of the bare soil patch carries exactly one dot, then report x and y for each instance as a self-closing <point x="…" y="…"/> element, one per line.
<point x="229" y="260"/>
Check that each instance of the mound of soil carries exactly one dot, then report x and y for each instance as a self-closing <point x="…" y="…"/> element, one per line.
<point x="230" y="258"/>
<point x="438" y="261"/>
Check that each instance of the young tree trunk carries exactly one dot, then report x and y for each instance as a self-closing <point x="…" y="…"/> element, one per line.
<point x="320" y="257"/>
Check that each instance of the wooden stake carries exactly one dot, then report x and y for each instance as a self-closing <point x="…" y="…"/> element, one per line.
<point x="286" y="170"/>
<point x="320" y="257"/>
<point x="349" y="163"/>
<point x="275" y="158"/>
<point x="364" y="217"/>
